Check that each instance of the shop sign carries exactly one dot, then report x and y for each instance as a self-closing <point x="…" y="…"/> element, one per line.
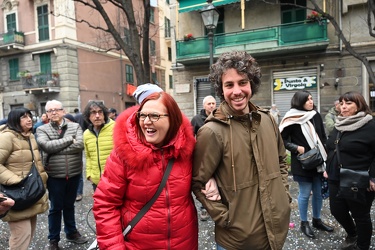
<point x="290" y="83"/>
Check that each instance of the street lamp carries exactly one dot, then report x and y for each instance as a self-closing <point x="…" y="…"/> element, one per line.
<point x="210" y="17"/>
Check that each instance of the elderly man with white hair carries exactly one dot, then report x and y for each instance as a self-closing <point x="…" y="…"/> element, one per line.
<point x="61" y="143"/>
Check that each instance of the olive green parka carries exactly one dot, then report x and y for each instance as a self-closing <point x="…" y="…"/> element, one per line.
<point x="246" y="156"/>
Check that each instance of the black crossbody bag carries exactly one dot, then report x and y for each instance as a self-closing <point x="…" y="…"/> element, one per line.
<point x="353" y="183"/>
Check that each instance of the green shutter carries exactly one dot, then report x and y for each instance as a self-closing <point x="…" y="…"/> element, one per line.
<point x="45" y="63"/>
<point x="13" y="69"/>
<point x="43" y="26"/>
<point x="11" y="22"/>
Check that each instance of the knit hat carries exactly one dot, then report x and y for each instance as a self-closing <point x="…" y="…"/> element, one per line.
<point x="145" y="90"/>
<point x="70" y="117"/>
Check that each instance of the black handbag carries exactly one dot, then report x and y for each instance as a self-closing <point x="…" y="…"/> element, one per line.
<point x="311" y="159"/>
<point x="353" y="183"/>
<point x="28" y="191"/>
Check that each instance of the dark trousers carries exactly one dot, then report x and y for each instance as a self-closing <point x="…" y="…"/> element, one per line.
<point x="62" y="195"/>
<point x="353" y="217"/>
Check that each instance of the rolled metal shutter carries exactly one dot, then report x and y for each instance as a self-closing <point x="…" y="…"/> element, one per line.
<point x="282" y="98"/>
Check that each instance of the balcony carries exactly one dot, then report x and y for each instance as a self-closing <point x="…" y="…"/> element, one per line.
<point x="269" y="41"/>
<point x="12" y="40"/>
<point x="41" y="83"/>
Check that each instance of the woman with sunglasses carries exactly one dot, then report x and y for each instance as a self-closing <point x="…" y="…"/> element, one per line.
<point x="145" y="138"/>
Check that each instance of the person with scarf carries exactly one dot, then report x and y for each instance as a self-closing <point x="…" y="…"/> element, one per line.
<point x="356" y="143"/>
<point x="302" y="129"/>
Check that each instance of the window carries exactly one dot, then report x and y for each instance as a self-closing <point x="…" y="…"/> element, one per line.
<point x="154" y="77"/>
<point x="170" y="81"/>
<point x="11" y="22"/>
<point x="126" y="36"/>
<point x="167" y="27"/>
<point x="45" y="63"/>
<point x="167" y="1"/>
<point x="291" y="13"/>
<point x="169" y="54"/>
<point x="129" y="73"/>
<point x="13" y="69"/>
<point x="152" y="15"/>
<point x="152" y="47"/>
<point x="43" y="27"/>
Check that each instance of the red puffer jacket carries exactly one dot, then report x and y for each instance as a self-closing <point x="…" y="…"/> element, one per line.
<point x="132" y="175"/>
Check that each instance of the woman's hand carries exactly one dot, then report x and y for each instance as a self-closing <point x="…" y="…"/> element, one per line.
<point x="211" y="191"/>
<point x="300" y="150"/>
<point x="6" y="205"/>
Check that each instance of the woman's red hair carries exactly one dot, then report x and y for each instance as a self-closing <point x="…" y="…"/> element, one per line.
<point x="174" y="115"/>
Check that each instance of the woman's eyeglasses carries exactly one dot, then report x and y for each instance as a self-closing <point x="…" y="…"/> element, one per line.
<point x="154" y="117"/>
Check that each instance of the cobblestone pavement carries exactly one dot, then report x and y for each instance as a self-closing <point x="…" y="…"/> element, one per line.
<point x="84" y="219"/>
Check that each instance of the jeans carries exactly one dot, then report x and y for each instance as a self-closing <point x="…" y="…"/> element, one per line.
<point x="62" y="195"/>
<point x="353" y="217"/>
<point x="80" y="185"/>
<point x="305" y="189"/>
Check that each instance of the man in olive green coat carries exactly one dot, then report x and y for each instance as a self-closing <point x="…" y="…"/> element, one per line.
<point x="241" y="147"/>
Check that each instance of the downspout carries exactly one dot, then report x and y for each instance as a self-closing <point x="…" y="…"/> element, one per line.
<point x="340" y="24"/>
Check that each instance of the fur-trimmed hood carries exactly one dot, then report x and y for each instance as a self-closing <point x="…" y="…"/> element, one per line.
<point x="136" y="154"/>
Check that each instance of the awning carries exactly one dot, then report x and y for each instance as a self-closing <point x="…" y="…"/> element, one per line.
<point x="191" y="5"/>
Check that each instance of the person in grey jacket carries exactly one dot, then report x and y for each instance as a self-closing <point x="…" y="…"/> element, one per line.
<point x="61" y="143"/>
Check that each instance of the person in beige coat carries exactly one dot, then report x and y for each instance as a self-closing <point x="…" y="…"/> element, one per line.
<point x="15" y="163"/>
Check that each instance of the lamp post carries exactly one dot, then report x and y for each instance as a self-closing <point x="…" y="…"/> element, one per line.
<point x="210" y="17"/>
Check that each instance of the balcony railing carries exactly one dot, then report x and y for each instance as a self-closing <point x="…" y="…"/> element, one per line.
<point x="40" y="81"/>
<point x="12" y="37"/>
<point x="279" y="39"/>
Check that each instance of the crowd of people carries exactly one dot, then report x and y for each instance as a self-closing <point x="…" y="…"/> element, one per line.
<point x="145" y="162"/>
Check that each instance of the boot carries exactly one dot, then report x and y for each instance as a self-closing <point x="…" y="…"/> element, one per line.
<point x="318" y="223"/>
<point x="306" y="229"/>
<point x="349" y="243"/>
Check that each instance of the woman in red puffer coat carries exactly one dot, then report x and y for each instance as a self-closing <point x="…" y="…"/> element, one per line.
<point x="145" y="138"/>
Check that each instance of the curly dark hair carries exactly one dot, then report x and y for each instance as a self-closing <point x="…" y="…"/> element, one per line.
<point x="244" y="63"/>
<point x="92" y="104"/>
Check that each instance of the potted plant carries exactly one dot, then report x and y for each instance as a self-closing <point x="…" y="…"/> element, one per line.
<point x="25" y="74"/>
<point x="55" y="74"/>
<point x="188" y="37"/>
<point x="314" y="17"/>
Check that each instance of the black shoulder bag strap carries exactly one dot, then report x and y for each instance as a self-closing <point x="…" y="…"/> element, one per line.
<point x="148" y="205"/>
<point x="337" y="148"/>
<point x="32" y="153"/>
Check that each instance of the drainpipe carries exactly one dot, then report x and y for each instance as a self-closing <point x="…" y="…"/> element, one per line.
<point x="340" y="24"/>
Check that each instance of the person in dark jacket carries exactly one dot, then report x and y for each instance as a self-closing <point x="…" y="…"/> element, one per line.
<point x="209" y="104"/>
<point x="302" y="129"/>
<point x="61" y="143"/>
<point x="354" y="135"/>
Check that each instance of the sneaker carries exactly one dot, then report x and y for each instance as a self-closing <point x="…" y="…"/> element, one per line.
<point x="204" y="215"/>
<point x="79" y="197"/>
<point x="76" y="238"/>
<point x="53" y="245"/>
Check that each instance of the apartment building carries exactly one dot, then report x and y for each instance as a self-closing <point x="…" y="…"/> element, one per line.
<point x="45" y="54"/>
<point x="295" y="48"/>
